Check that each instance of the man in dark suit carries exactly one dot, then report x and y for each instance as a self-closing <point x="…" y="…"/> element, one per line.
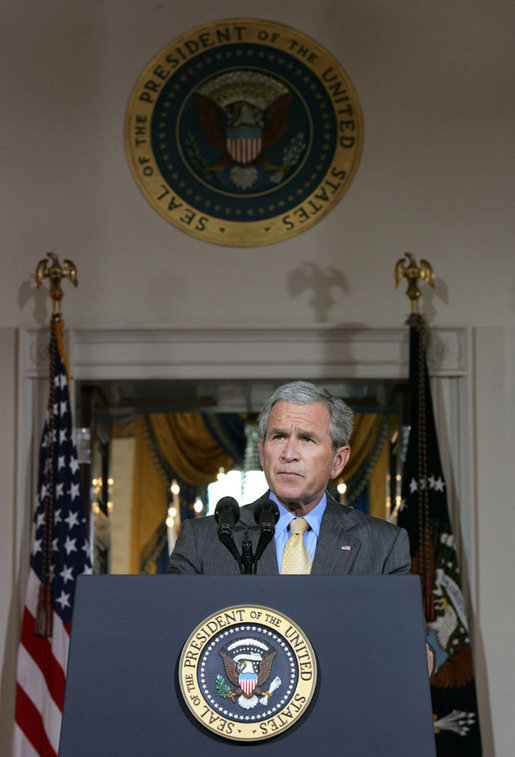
<point x="304" y="434"/>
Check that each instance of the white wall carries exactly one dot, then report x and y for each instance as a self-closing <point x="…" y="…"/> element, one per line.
<point x="435" y="82"/>
<point x="10" y="602"/>
<point x="495" y="450"/>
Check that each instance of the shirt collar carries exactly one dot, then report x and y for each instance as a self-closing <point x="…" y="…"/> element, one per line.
<point x="314" y="517"/>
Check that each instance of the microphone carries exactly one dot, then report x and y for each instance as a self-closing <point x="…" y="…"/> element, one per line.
<point x="227" y="511"/>
<point x="227" y="514"/>
<point x="266" y="516"/>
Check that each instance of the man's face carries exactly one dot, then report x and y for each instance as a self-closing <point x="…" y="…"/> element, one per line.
<point x="297" y="454"/>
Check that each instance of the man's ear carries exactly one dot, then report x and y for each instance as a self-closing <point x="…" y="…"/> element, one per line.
<point x="340" y="460"/>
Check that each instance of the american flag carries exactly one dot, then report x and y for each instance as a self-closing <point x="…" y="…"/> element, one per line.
<point x="424" y="514"/>
<point x="60" y="552"/>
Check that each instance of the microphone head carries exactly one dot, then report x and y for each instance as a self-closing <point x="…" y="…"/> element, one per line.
<point x="227" y="510"/>
<point x="266" y="512"/>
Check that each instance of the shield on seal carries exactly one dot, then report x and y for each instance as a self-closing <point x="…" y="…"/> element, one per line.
<point x="247" y="682"/>
<point x="244" y="144"/>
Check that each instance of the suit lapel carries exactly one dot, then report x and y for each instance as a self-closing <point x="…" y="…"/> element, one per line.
<point x="337" y="547"/>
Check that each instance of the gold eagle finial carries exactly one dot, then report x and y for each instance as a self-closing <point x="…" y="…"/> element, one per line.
<point x="55" y="273"/>
<point x="413" y="273"/>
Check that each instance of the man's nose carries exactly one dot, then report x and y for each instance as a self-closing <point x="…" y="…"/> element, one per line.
<point x="290" y="450"/>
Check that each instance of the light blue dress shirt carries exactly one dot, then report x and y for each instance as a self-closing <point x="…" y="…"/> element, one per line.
<point x="282" y="531"/>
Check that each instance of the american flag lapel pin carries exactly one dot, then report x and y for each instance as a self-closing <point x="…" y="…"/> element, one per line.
<point x="346" y="547"/>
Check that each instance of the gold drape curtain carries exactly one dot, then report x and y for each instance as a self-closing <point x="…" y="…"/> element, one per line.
<point x="377" y="483"/>
<point x="184" y="443"/>
<point x="188" y="447"/>
<point x="149" y="498"/>
<point x="363" y="441"/>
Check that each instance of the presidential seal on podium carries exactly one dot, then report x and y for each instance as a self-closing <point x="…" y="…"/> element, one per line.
<point x="247" y="673"/>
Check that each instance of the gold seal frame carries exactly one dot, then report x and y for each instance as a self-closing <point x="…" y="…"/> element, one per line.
<point x="225" y="623"/>
<point x="220" y="49"/>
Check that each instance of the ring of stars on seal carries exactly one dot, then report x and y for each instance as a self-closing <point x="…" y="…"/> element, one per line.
<point x="243" y="132"/>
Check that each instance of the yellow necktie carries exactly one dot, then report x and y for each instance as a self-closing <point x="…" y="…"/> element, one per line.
<point x="296" y="558"/>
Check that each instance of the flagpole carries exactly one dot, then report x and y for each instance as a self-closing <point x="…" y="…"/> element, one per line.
<point x="59" y="550"/>
<point x="55" y="273"/>
<point x="413" y="273"/>
<point x="423" y="512"/>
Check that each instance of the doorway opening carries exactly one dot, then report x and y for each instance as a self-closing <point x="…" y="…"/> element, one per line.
<point x="134" y="533"/>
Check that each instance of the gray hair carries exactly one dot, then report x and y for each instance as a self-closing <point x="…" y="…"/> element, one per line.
<point x="304" y="393"/>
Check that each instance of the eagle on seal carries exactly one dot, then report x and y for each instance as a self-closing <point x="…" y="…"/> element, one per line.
<point x="243" y="113"/>
<point x="246" y="680"/>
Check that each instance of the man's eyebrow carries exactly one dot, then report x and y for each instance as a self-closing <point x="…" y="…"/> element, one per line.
<point x="297" y="431"/>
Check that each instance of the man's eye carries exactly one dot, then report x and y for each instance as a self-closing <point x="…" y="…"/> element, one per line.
<point x="307" y="439"/>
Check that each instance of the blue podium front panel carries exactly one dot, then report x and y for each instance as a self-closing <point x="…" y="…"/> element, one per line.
<point x="123" y="695"/>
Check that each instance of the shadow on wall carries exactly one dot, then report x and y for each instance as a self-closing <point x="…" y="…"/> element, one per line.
<point x="310" y="277"/>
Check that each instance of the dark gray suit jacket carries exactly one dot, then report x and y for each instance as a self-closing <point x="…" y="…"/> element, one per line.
<point x="349" y="542"/>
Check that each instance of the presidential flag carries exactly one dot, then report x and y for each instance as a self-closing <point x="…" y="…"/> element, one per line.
<point x="60" y="552"/>
<point x="424" y="514"/>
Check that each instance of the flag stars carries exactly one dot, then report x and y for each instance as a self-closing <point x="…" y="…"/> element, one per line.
<point x="74" y="491"/>
<point x="439" y="484"/>
<point x="64" y="600"/>
<point x="56" y="557"/>
<point x="74" y="465"/>
<point x="72" y="520"/>
<point x="69" y="545"/>
<point x="67" y="574"/>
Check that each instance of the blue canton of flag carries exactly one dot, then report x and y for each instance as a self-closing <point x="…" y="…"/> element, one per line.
<point x="60" y="552"/>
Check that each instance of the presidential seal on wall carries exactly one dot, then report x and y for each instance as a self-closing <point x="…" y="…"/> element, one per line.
<point x="247" y="673"/>
<point x="243" y="132"/>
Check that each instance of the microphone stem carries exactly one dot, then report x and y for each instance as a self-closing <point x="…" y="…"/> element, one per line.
<point x="247" y="558"/>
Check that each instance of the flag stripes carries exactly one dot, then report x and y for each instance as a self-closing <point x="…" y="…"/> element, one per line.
<point x="39" y="651"/>
<point x="30" y="736"/>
